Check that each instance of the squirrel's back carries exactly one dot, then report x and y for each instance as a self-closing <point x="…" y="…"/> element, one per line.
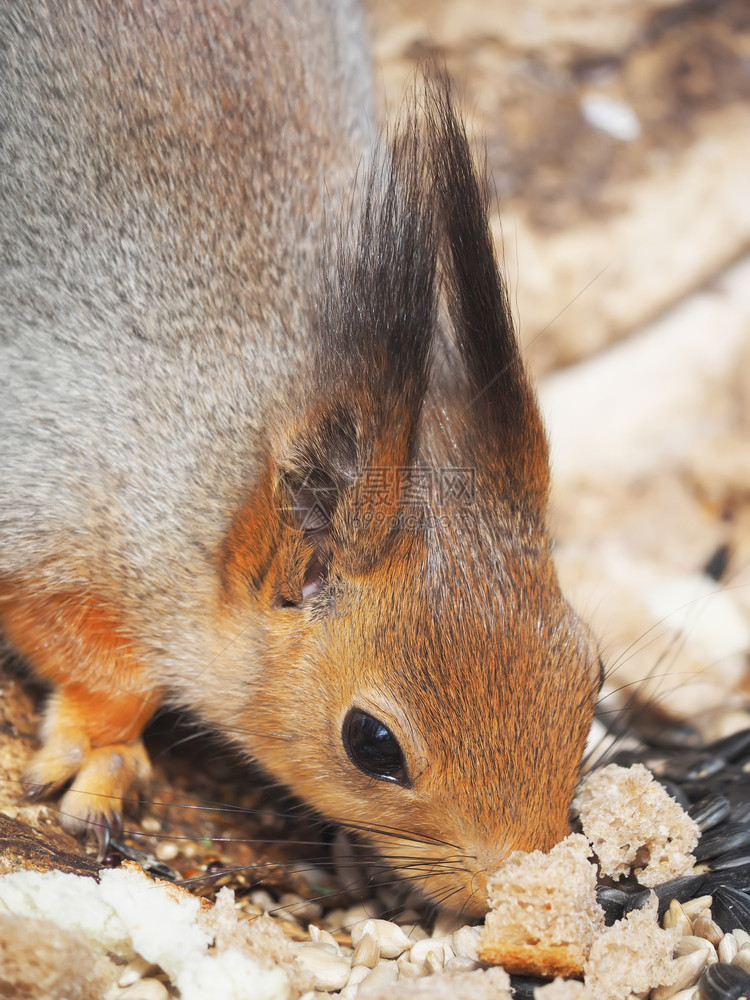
<point x="164" y="179"/>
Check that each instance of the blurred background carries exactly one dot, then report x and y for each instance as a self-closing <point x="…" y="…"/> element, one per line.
<point x="617" y="134"/>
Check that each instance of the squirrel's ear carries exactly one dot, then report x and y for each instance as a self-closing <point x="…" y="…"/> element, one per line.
<point x="278" y="545"/>
<point x="372" y="325"/>
<point x="318" y="474"/>
<point x="508" y="436"/>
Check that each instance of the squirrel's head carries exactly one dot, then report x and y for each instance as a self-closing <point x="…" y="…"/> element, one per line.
<point x="423" y="679"/>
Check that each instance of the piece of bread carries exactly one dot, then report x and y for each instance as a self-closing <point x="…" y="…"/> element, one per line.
<point x="544" y="915"/>
<point x="632" y="956"/>
<point x="632" y="823"/>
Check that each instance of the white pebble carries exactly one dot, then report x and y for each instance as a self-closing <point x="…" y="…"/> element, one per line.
<point x="145" y="989"/>
<point x="329" y="971"/>
<point x="166" y="850"/>
<point x="299" y="908"/>
<point x="741" y="937"/>
<point x="349" y="992"/>
<point x="263" y="899"/>
<point x="614" y="117"/>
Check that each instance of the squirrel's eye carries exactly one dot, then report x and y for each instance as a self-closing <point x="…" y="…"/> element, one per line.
<point x="373" y="748"/>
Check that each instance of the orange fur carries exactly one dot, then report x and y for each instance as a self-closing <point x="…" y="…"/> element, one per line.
<point x="101" y="701"/>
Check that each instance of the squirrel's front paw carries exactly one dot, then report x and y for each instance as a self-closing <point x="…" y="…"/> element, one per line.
<point x="101" y="779"/>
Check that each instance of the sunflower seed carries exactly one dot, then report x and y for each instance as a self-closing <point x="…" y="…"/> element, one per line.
<point x="737" y="877"/>
<point x="145" y="989"/>
<point x="135" y="970"/>
<point x="693" y="907"/>
<point x="687" y="969"/>
<point x="706" y="927"/>
<point x="460" y="964"/>
<point x="742" y="958"/>
<point x="367" y="951"/>
<point x="677" y="918"/>
<point x="330" y="972"/>
<point x="382" y="976"/>
<point x="434" y="962"/>
<point x="358" y="973"/>
<point x="464" y="942"/>
<point x="430" y="946"/>
<point x="728" y="948"/>
<point x="689" y="943"/>
<point x="724" y="982"/>
<point x="392" y="941"/>
<point x="408" y="969"/>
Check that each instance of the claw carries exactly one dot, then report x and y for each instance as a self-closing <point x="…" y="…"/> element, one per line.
<point x="103" y="836"/>
<point x="35" y="792"/>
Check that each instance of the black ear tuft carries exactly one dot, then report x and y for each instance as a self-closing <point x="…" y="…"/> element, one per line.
<point x="379" y="305"/>
<point x="502" y="404"/>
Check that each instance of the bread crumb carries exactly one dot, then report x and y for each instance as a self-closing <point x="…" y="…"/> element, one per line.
<point x="562" y="989"/>
<point x="127" y="913"/>
<point x="39" y="958"/>
<point x="633" y="823"/>
<point x="634" y="955"/>
<point x="481" y="984"/>
<point x="259" y="938"/>
<point x="544" y="915"/>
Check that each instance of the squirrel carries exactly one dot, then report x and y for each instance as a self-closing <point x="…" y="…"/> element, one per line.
<point x="269" y="452"/>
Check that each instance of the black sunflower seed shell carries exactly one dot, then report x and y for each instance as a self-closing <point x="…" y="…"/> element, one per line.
<point x="735" y="878"/>
<point x="710" y="811"/>
<point x="613" y="902"/>
<point x="731" y="909"/>
<point x="732" y="747"/>
<point x="522" y="987"/>
<point x="675" y="791"/>
<point x="731" y="859"/>
<point x="722" y="981"/>
<point x="681" y="889"/>
<point x="693" y="767"/>
<point x="726" y="838"/>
